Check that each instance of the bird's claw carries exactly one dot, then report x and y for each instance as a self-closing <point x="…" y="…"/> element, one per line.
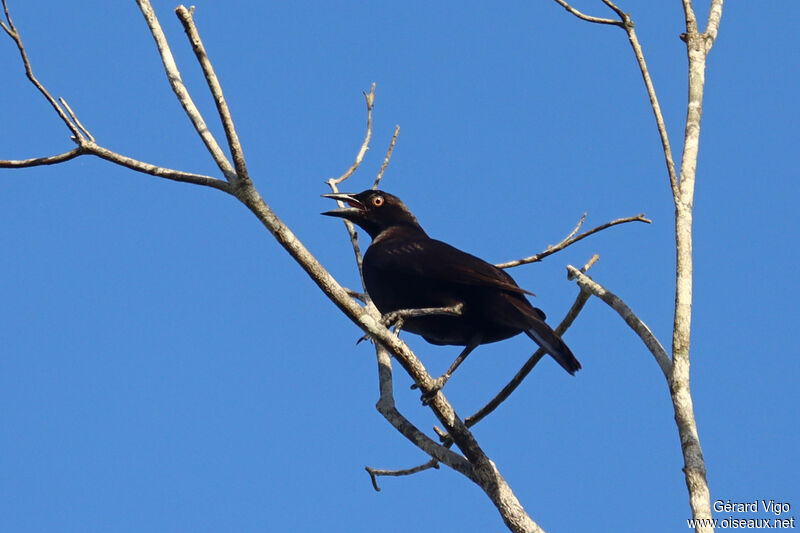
<point x="427" y="397"/>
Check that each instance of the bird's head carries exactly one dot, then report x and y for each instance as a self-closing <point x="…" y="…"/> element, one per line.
<point x="373" y="210"/>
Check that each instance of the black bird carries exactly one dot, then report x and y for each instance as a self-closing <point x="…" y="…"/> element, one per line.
<point x="406" y="269"/>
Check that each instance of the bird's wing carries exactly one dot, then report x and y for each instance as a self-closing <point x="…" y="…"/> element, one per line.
<point x="432" y="259"/>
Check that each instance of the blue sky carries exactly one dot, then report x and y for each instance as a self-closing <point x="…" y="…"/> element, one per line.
<point x="165" y="366"/>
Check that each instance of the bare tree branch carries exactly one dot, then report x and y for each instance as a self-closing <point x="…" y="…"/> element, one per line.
<point x="587" y="18"/>
<point x="388" y="409"/>
<point x="75" y="119"/>
<point x="370" y="98"/>
<point x="375" y="472"/>
<point x="621" y="14"/>
<point x="37" y="161"/>
<point x="651" y="93"/>
<point x="153" y="170"/>
<point x="12" y="32"/>
<point x="387" y="158"/>
<point x="697" y="47"/>
<point x="712" y="26"/>
<point x="640" y="328"/>
<point x="571" y="239"/>
<point x="691" y="18"/>
<point x="174" y="77"/>
<point x="334" y="182"/>
<point x="185" y="16"/>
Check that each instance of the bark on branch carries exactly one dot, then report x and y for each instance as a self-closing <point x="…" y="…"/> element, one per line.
<point x="698" y="46"/>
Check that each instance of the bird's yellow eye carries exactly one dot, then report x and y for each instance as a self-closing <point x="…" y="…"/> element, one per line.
<point x="377" y="201"/>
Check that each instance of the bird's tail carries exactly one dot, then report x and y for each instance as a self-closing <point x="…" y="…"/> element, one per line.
<point x="545" y="337"/>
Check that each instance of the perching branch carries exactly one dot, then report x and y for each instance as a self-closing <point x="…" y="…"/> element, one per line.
<point x="482" y="413"/>
<point x="476" y="465"/>
<point x="386" y="407"/>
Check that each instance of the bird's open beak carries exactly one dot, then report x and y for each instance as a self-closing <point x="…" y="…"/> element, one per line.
<point x="355" y="207"/>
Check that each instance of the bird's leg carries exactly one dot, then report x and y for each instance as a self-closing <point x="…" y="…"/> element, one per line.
<point x="397" y="318"/>
<point x="439" y="382"/>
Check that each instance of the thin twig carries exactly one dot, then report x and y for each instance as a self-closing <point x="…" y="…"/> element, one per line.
<point x="49" y="160"/>
<point x="626" y="23"/>
<point x="334" y="182"/>
<point x="387" y="158"/>
<point x="570" y="239"/>
<point x="587" y="18"/>
<point x="635" y="323"/>
<point x="370" y="98"/>
<point x="375" y="472"/>
<point x="153" y="170"/>
<point x="75" y="119"/>
<point x="185" y="16"/>
<point x="651" y="93"/>
<point x="621" y="14"/>
<point x="353" y="234"/>
<point x="174" y="77"/>
<point x="576" y="228"/>
<point x="12" y="32"/>
<point x="388" y="409"/>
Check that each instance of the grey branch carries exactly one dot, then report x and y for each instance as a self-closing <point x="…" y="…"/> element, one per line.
<point x="185" y="16"/>
<point x="387" y="158"/>
<point x="626" y="23"/>
<point x="474" y="463"/>
<point x="37" y="161"/>
<point x="388" y="409"/>
<point x="12" y="32"/>
<point x="85" y="140"/>
<point x="75" y="119"/>
<point x="587" y="18"/>
<point x="370" y="98"/>
<point x="185" y="99"/>
<point x="333" y="183"/>
<point x="375" y="472"/>
<point x="153" y="170"/>
<point x="572" y="239"/>
<point x="635" y="323"/>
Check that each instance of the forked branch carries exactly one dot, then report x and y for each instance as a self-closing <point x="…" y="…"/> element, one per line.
<point x="572" y="239"/>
